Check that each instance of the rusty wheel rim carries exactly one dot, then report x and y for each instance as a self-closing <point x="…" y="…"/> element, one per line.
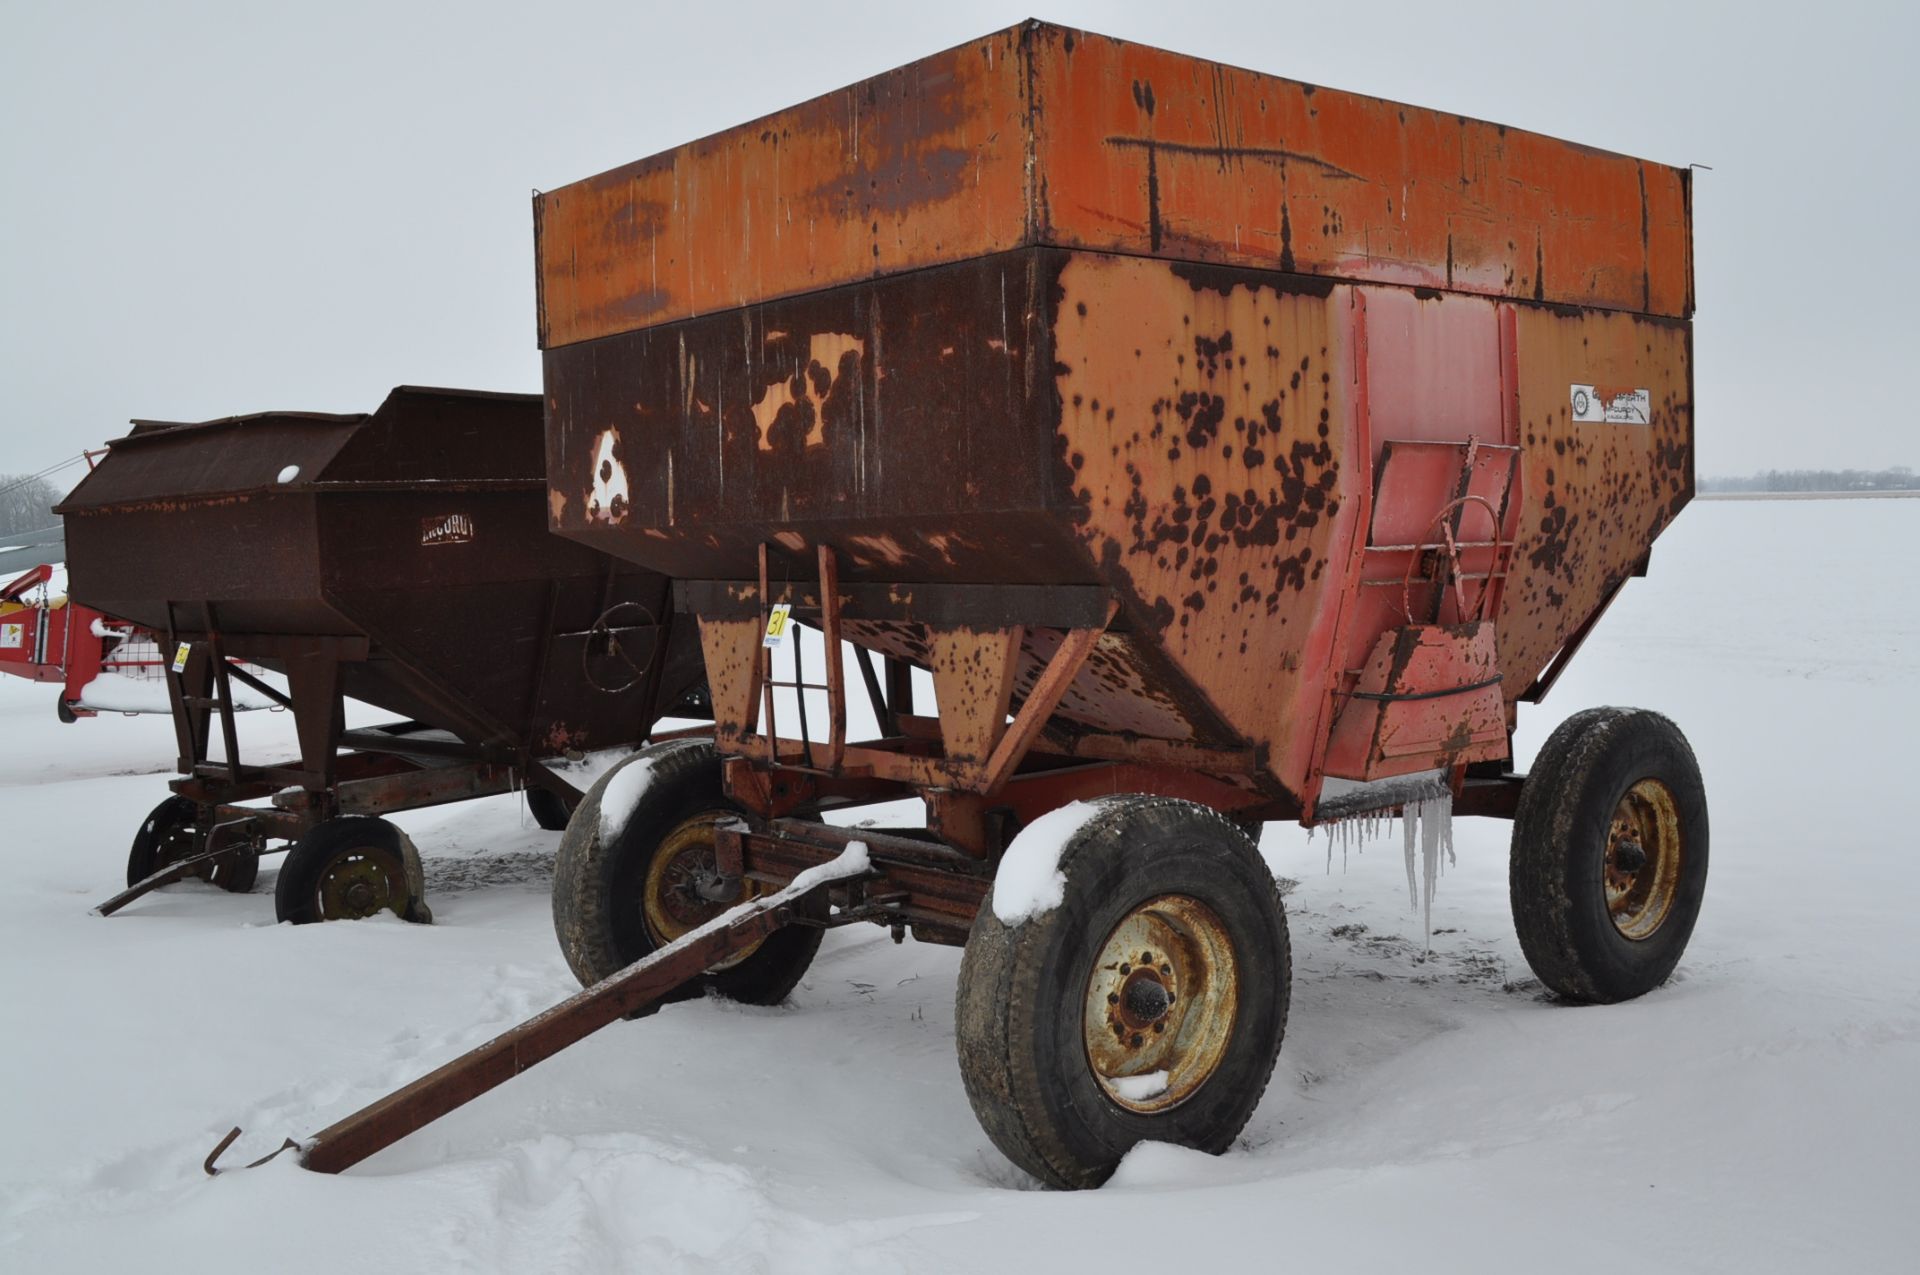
<point x="1161" y="1003"/>
<point x="360" y="882"/>
<point x="181" y="841"/>
<point x="670" y="903"/>
<point x="1644" y="853"/>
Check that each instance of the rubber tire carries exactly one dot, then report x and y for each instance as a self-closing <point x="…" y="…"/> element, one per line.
<point x="237" y="873"/>
<point x="1018" y="1006"/>
<point x="234" y="873"/>
<point x="597" y="882"/>
<point x="64" y="711"/>
<point x="1556" y="872"/>
<point x="308" y="858"/>
<point x="548" y="808"/>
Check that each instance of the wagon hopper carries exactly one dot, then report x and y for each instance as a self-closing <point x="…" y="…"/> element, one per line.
<point x="400" y="558"/>
<point x="1226" y="449"/>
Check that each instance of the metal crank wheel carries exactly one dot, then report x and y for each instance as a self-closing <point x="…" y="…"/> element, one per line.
<point x="1609" y="859"/>
<point x="1148" y="1004"/>
<point x="348" y="869"/>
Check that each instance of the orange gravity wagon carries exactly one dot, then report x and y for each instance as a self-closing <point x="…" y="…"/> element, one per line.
<point x="1225" y="448"/>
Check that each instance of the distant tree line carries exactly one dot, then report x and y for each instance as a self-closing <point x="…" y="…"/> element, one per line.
<point x="26" y="503"/>
<point x="1899" y="478"/>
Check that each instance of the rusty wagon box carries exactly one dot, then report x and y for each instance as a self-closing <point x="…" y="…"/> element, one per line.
<point x="1051" y="309"/>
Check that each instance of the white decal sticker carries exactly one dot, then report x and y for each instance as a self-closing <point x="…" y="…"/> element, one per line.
<point x="777" y="625"/>
<point x="180" y="657"/>
<point x="608" y="498"/>
<point x="13" y="635"/>
<point x="1611" y="404"/>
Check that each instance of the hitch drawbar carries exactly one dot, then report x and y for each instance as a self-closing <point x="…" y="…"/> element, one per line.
<point x="382" y="1123"/>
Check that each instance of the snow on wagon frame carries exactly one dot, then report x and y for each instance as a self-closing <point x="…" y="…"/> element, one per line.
<point x="1210" y="439"/>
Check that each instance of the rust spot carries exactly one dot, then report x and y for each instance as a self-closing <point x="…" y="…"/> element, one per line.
<point x="790" y="410"/>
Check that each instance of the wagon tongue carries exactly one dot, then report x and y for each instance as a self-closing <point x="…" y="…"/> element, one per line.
<point x="644" y="983"/>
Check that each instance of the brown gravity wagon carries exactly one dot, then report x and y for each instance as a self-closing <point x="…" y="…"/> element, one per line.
<point x="1226" y="449"/>
<point x="400" y="558"/>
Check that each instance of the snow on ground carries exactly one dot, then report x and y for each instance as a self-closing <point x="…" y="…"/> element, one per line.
<point x="1754" y="1115"/>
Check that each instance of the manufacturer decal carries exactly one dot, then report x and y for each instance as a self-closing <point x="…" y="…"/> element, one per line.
<point x="1611" y="404"/>
<point x="180" y="654"/>
<point x="13" y="635"/>
<point x="453" y="529"/>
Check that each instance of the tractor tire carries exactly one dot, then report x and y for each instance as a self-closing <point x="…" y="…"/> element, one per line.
<point x="548" y="808"/>
<point x="622" y="882"/>
<point x="349" y="868"/>
<point x="1149" y="1004"/>
<point x="1609" y="862"/>
<point x="172" y="832"/>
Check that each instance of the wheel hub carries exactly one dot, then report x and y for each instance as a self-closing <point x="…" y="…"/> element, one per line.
<point x="1161" y="1002"/>
<point x="357" y="884"/>
<point x="1644" y="853"/>
<point x="1146" y="999"/>
<point x="682" y="883"/>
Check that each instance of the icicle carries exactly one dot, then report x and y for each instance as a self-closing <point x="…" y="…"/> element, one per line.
<point x="1430" y="822"/>
<point x="1409" y="824"/>
<point x="1352" y="833"/>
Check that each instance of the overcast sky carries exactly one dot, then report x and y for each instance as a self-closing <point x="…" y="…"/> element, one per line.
<point x="209" y="208"/>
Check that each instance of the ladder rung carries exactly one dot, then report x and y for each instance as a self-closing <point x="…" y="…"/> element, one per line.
<point x="1441" y="544"/>
<point x="800" y="686"/>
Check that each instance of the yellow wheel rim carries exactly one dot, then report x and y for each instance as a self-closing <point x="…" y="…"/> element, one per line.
<point x="670" y="903"/>
<point x="357" y="883"/>
<point x="1161" y="1003"/>
<point x="1644" y="858"/>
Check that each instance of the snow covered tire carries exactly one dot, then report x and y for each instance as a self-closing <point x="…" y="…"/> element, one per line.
<point x="600" y="882"/>
<point x="349" y="868"/>
<point x="1609" y="861"/>
<point x="1032" y="1009"/>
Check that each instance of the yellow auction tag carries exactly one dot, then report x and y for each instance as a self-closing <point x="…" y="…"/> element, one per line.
<point x="777" y="625"/>
<point x="180" y="658"/>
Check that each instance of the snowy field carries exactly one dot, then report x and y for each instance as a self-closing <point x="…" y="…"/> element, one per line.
<point x="1759" y="1113"/>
